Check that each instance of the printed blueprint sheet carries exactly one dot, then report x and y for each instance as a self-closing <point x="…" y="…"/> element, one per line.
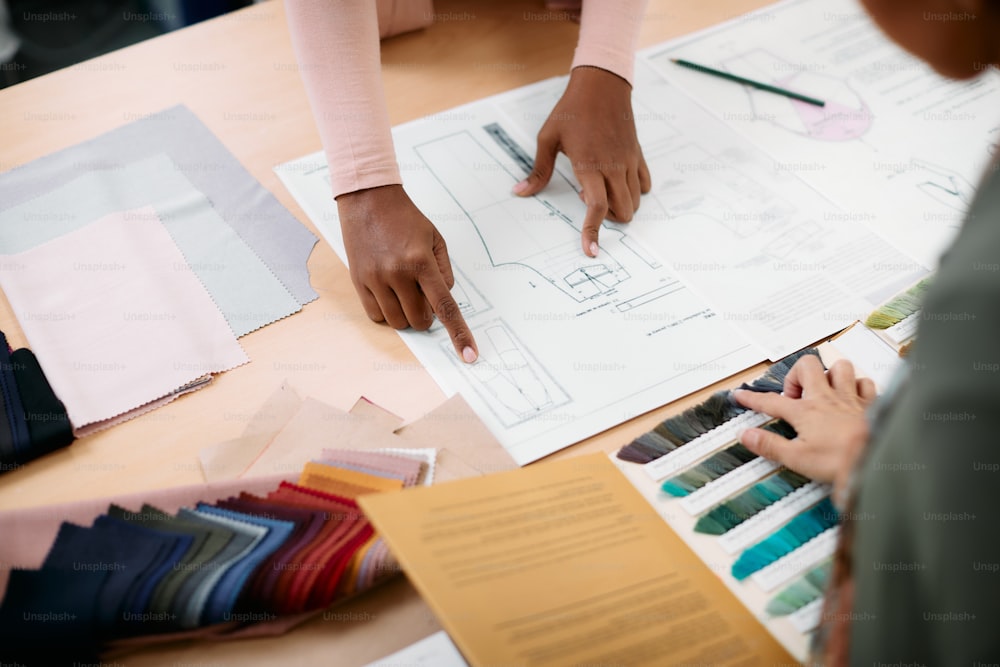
<point x="897" y="145"/>
<point x="766" y="251"/>
<point x="569" y="345"/>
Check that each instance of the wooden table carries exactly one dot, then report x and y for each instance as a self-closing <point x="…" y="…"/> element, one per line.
<point x="241" y="66"/>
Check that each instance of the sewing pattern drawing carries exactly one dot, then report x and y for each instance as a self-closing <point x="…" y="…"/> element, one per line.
<point x="943" y="185"/>
<point x="530" y="231"/>
<point x="736" y="203"/>
<point x="470" y="300"/>
<point x="844" y="117"/>
<point x="507" y="377"/>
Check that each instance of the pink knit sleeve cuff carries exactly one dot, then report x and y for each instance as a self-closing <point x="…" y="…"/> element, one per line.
<point x="609" y="35"/>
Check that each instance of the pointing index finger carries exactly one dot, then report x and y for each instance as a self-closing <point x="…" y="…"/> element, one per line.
<point x="450" y="315"/>
<point x="596" y="198"/>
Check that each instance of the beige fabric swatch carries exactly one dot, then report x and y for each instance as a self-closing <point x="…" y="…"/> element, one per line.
<point x="228" y="459"/>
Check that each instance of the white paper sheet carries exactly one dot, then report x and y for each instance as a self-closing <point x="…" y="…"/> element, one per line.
<point x="569" y="345"/>
<point x="437" y="650"/>
<point x="897" y="146"/>
<point x="871" y="356"/>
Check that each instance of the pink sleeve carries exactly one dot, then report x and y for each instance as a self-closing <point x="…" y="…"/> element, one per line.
<point x="336" y="43"/>
<point x="609" y="35"/>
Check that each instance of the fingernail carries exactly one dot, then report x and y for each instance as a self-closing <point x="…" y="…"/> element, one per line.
<point x="593" y="249"/>
<point x="469" y="355"/>
<point x="519" y="188"/>
<point x="749" y="438"/>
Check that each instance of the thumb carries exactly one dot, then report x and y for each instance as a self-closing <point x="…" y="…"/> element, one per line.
<point x="545" y="162"/>
<point x="766" y="444"/>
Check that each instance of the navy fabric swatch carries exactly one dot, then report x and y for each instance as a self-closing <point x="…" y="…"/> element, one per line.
<point x="8" y="457"/>
<point x="135" y="612"/>
<point x="112" y="548"/>
<point x="45" y="415"/>
<point x="48" y="617"/>
<point x="12" y="400"/>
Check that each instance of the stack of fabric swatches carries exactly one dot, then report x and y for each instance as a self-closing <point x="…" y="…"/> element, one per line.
<point x="210" y="567"/>
<point x="777" y="527"/>
<point x="134" y="261"/>
<point x="33" y="420"/>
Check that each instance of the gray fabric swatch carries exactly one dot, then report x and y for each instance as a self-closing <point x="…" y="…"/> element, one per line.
<point x="258" y="218"/>
<point x="190" y="603"/>
<point x="241" y="284"/>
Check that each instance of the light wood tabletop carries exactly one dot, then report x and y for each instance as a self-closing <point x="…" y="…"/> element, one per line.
<point x="238" y="75"/>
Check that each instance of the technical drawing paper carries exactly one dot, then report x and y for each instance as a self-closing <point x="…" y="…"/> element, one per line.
<point x="766" y="251"/>
<point x="897" y="145"/>
<point x="569" y="345"/>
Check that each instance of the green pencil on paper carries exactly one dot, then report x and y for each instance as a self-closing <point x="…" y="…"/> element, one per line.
<point x="749" y="82"/>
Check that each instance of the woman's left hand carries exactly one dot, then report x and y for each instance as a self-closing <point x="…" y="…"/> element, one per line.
<point x="593" y="125"/>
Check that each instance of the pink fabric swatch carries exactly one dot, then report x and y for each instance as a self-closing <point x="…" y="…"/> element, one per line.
<point x="116" y="317"/>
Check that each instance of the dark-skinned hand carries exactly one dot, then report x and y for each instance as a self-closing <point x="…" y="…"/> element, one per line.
<point x="593" y="125"/>
<point x="399" y="264"/>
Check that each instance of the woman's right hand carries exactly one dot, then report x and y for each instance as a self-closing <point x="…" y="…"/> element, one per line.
<point x="399" y="264"/>
<point x="827" y="411"/>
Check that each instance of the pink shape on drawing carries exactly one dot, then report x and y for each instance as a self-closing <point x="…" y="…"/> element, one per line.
<point x="835" y="121"/>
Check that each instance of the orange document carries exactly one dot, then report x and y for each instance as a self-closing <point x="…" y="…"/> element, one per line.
<point x="564" y="563"/>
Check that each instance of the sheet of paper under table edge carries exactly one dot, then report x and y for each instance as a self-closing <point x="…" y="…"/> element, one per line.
<point x="437" y="650"/>
<point x="246" y="290"/>
<point x="133" y="268"/>
<point x="870" y="354"/>
<point x="273" y="233"/>
<point x="559" y="587"/>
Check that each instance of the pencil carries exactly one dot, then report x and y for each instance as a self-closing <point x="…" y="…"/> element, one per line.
<point x="749" y="82"/>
